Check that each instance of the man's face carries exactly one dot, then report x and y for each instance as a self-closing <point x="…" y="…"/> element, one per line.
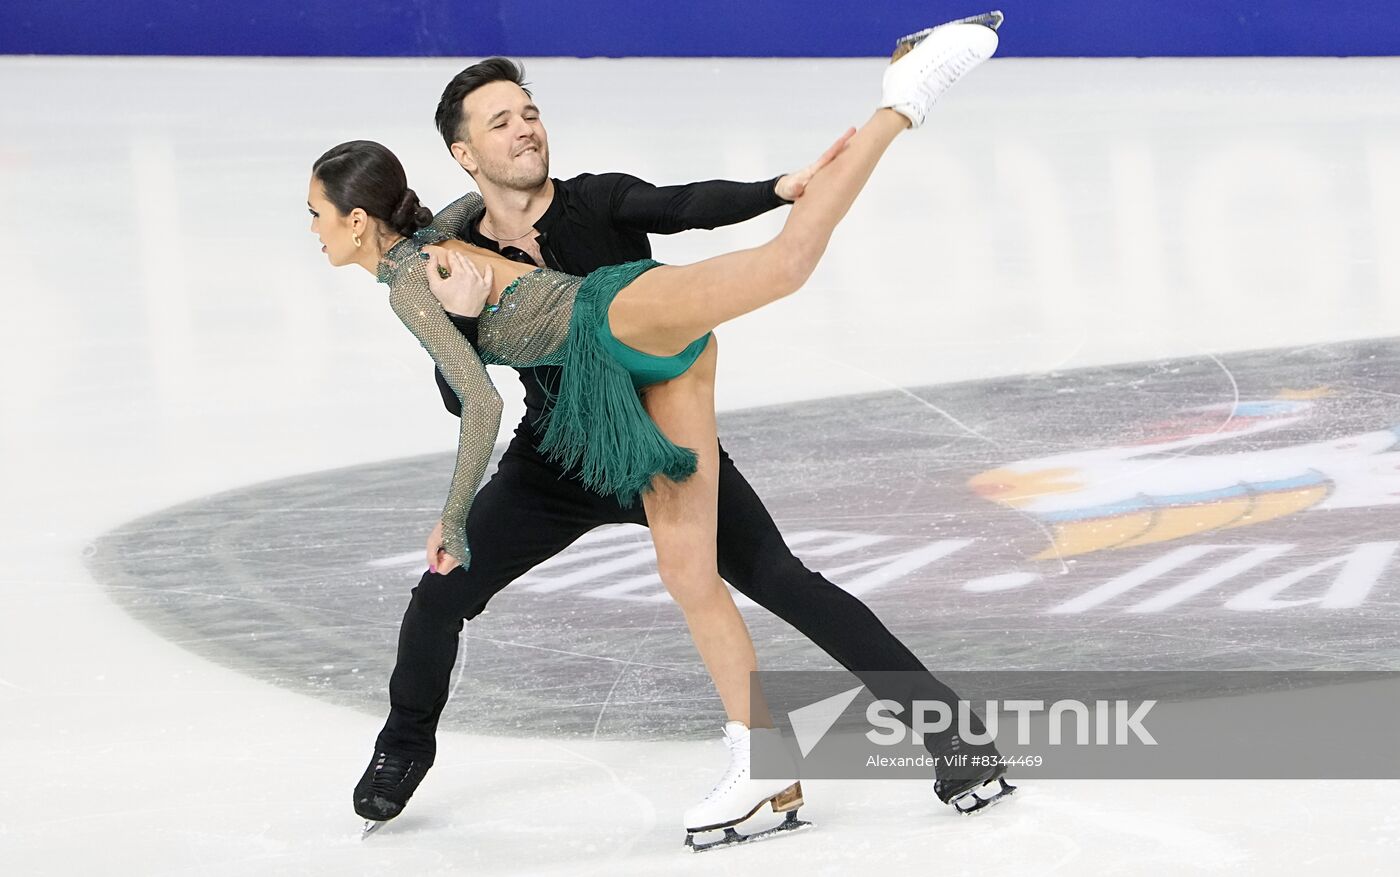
<point x="506" y="142"/>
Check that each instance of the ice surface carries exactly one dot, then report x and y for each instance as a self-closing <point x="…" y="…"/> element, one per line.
<point x="172" y="333"/>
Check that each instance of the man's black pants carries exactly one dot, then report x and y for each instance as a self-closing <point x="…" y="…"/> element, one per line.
<point x="527" y="513"/>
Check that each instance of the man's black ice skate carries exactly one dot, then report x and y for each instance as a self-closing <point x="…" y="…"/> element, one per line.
<point x="971" y="792"/>
<point x="387" y="784"/>
<point x="967" y="771"/>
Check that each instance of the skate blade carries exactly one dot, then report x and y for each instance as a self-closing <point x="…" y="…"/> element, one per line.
<point x="370" y="828"/>
<point x="902" y="45"/>
<point x="991" y="19"/>
<point x="970" y="802"/>
<point x="734" y="838"/>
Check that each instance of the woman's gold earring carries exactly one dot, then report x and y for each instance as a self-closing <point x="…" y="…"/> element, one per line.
<point x="356" y="239"/>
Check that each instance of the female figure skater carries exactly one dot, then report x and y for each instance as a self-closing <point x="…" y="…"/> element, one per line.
<point x="635" y="406"/>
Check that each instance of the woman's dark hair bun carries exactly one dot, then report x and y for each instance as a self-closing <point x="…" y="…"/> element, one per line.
<point x="410" y="214"/>
<point x="367" y="175"/>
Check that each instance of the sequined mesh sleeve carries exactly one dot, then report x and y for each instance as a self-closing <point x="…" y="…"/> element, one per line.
<point x="452" y="220"/>
<point x="481" y="404"/>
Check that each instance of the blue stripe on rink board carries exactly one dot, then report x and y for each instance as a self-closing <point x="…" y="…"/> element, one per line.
<point x="722" y="28"/>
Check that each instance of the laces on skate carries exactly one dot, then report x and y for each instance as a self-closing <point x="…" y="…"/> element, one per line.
<point x="384" y="789"/>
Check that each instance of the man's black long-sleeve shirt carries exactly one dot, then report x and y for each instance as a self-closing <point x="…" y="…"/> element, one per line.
<point x="604" y="219"/>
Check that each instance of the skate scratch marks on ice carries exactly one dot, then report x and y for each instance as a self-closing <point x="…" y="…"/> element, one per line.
<point x="1193" y="642"/>
<point x="622" y="671"/>
<point x="504" y="642"/>
<point x="1367" y="391"/>
<point x="643" y="805"/>
<point x="886" y="382"/>
<point x="1049" y="537"/>
<point x="461" y="667"/>
<point x="264" y="601"/>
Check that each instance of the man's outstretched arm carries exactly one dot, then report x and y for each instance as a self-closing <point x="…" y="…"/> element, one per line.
<point x="638" y="205"/>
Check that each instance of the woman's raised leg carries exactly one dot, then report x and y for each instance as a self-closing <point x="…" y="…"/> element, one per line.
<point x="669" y="307"/>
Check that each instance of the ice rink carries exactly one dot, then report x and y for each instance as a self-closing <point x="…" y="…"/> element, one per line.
<point x="219" y="459"/>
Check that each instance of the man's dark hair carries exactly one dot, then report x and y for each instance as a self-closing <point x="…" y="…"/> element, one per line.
<point x="449" y="109"/>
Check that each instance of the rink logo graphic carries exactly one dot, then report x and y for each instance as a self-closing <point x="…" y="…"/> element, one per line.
<point x="1161" y="583"/>
<point x="622" y="559"/>
<point x="872" y="494"/>
<point x="1353" y="575"/>
<point x="1179" y="482"/>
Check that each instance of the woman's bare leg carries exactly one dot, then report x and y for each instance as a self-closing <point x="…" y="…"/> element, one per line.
<point x="662" y="312"/>
<point x="670" y="306"/>
<point x="683" y="518"/>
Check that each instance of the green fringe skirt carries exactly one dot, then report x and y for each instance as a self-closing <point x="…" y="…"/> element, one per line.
<point x="596" y="425"/>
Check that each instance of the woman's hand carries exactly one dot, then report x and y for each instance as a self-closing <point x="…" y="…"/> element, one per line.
<point x="456" y="283"/>
<point x="791" y="186"/>
<point x="439" y="561"/>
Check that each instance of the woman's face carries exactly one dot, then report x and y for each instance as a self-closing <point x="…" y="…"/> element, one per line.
<point x="335" y="230"/>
